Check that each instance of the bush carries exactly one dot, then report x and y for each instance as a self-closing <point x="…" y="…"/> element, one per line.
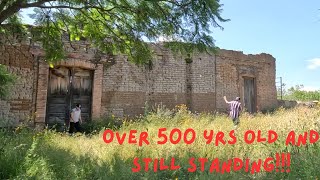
<point x="6" y="80"/>
<point x="14" y="145"/>
<point x="95" y="126"/>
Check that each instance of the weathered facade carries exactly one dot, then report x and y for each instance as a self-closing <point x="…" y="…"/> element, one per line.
<point x="114" y="86"/>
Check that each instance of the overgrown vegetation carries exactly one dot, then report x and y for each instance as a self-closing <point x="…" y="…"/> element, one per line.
<point x="6" y="81"/>
<point x="297" y="93"/>
<point x="25" y="154"/>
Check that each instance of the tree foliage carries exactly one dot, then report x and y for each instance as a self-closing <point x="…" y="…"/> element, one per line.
<point x="6" y="80"/>
<point x="117" y="26"/>
<point x="297" y="93"/>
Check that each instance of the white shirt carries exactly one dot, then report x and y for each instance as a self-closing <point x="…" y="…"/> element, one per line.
<point x="75" y="115"/>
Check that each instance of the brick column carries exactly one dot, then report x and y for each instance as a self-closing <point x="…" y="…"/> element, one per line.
<point x="42" y="89"/>
<point x="97" y="92"/>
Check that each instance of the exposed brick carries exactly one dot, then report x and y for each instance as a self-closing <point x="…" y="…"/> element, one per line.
<point x="201" y="85"/>
<point x="121" y="88"/>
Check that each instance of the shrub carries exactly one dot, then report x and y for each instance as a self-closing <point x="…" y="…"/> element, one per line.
<point x="6" y="80"/>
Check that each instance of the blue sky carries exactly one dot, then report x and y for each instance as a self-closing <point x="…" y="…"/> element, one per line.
<point x="288" y="30"/>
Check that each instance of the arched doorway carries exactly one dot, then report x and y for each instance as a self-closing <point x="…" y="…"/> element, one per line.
<point x="68" y="86"/>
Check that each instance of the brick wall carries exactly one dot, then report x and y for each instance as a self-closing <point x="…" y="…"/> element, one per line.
<point x="168" y="82"/>
<point x="123" y="89"/>
<point x="28" y="97"/>
<point x="19" y="106"/>
<point x="200" y="85"/>
<point x="232" y="66"/>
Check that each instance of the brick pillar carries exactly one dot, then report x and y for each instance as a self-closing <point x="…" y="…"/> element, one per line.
<point x="97" y="92"/>
<point x="42" y="89"/>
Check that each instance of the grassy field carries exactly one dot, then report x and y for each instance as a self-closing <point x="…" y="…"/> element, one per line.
<point x="50" y="155"/>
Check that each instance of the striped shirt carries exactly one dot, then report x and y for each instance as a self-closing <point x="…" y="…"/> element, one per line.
<point x="235" y="108"/>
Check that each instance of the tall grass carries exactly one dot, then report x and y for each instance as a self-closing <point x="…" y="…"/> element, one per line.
<point x="25" y="154"/>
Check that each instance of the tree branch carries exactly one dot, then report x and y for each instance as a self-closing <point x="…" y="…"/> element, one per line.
<point x="61" y="7"/>
<point x="16" y="7"/>
<point x="35" y="4"/>
<point x="3" y="4"/>
<point x="75" y="8"/>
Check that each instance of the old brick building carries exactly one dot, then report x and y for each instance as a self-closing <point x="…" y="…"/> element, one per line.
<point x="116" y="86"/>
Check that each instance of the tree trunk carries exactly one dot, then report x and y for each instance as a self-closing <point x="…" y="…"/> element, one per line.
<point x="10" y="11"/>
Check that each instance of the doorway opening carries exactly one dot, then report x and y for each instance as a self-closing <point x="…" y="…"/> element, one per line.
<point x="249" y="94"/>
<point x="67" y="87"/>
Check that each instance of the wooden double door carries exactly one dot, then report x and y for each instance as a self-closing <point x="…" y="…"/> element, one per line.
<point x="68" y="87"/>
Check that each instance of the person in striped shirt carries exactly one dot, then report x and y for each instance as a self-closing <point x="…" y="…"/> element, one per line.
<point x="235" y="109"/>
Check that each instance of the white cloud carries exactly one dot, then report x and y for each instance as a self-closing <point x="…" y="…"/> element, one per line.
<point x="314" y="63"/>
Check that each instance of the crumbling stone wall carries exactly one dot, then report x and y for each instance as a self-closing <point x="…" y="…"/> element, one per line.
<point x="232" y="66"/>
<point x="169" y="81"/>
<point x="122" y="88"/>
<point x="28" y="97"/>
<point x="20" y="104"/>
<point x="174" y="81"/>
<point x="200" y="84"/>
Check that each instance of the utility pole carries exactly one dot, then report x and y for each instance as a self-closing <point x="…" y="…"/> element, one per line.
<point x="281" y="87"/>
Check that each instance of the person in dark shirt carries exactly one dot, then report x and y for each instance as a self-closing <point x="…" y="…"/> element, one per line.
<point x="235" y="109"/>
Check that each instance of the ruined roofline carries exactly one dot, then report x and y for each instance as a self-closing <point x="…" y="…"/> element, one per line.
<point x="241" y="55"/>
<point x="227" y="53"/>
<point x="222" y="53"/>
<point x="160" y="46"/>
